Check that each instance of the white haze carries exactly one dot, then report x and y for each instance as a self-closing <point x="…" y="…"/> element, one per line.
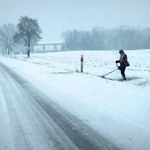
<point x="54" y="17"/>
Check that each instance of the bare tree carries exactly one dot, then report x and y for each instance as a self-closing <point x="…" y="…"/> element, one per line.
<point x="7" y="32"/>
<point x="28" y="32"/>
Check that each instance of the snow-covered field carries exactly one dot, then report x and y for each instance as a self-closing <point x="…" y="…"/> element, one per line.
<point x="119" y="110"/>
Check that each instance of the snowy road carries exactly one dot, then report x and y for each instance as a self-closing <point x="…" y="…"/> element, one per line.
<point x="31" y="121"/>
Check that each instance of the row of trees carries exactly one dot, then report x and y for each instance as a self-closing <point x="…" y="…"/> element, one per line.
<point x="26" y="33"/>
<point x="123" y="37"/>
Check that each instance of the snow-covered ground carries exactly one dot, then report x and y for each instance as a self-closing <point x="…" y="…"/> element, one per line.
<point x="119" y="110"/>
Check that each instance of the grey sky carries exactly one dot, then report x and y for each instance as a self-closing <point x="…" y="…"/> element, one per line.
<point x="56" y="16"/>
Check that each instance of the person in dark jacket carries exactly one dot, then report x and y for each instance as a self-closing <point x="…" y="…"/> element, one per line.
<point x="123" y="63"/>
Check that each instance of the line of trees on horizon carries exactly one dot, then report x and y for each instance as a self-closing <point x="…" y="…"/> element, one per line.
<point x="27" y="33"/>
<point x="123" y="37"/>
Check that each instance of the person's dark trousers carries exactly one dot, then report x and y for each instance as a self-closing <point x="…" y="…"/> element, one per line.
<point x="122" y="69"/>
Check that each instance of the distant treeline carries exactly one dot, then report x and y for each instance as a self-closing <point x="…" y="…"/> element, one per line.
<point x="124" y="37"/>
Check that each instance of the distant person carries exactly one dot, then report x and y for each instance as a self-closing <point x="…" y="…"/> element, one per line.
<point x="123" y="63"/>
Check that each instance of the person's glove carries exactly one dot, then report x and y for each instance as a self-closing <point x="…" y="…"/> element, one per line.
<point x="117" y="61"/>
<point x="119" y="67"/>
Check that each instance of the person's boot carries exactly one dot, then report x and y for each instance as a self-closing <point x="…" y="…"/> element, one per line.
<point x="124" y="77"/>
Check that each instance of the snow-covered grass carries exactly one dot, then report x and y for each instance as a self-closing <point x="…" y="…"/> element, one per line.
<point x="119" y="110"/>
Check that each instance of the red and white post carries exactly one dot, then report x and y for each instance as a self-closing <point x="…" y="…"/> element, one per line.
<point x="82" y="58"/>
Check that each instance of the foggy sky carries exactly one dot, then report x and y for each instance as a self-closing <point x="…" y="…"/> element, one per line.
<point x="56" y="16"/>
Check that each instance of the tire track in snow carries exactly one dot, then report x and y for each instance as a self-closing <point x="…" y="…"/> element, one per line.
<point x="80" y="134"/>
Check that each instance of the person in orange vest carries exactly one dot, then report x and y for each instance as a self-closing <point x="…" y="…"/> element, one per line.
<point x="123" y="63"/>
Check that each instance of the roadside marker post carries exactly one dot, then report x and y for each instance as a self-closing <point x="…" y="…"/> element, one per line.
<point x="82" y="59"/>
